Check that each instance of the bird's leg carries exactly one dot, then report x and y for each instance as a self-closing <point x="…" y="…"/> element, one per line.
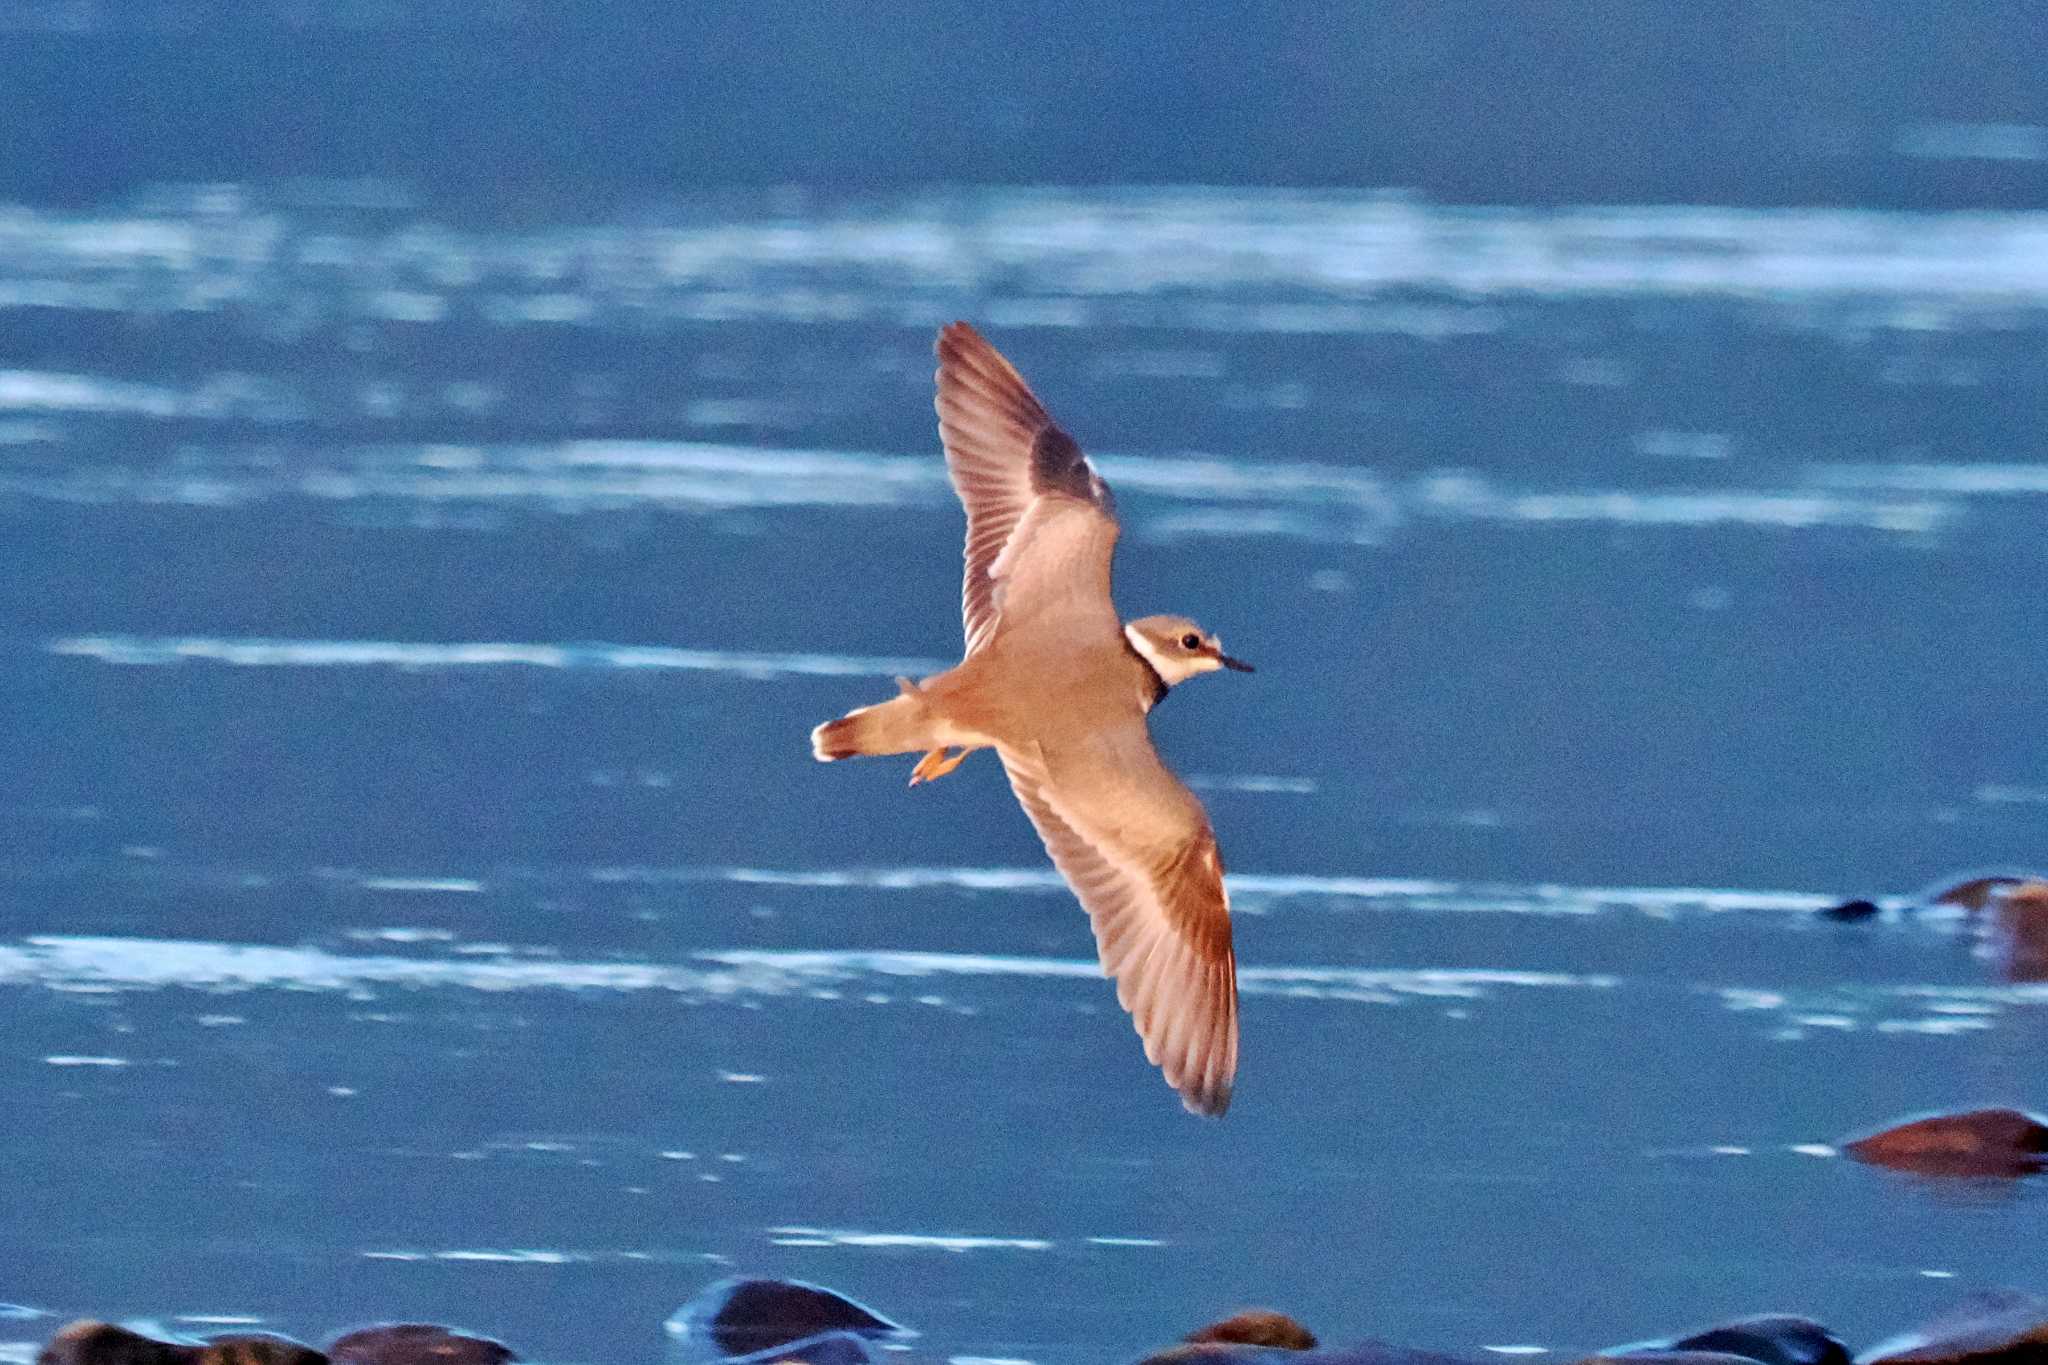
<point x="935" y="765"/>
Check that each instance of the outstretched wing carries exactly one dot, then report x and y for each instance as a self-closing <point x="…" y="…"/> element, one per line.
<point x="1137" y="848"/>
<point x="1040" y="521"/>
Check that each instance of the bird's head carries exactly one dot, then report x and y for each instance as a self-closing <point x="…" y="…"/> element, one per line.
<point x="1178" y="649"/>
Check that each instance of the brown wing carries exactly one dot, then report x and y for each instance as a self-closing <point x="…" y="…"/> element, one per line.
<point x="1137" y="848"/>
<point x="1006" y="457"/>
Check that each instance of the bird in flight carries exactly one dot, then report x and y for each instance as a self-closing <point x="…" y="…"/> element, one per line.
<point x="1060" y="686"/>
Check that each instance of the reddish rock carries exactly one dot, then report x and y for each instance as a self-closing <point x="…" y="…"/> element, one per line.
<point x="87" y="1342"/>
<point x="2018" y="932"/>
<point x="101" y="1343"/>
<point x="2003" y="1327"/>
<point x="257" y="1348"/>
<point x="1971" y="894"/>
<point x="1257" y="1327"/>
<point x="1978" y="1142"/>
<point x="416" y="1343"/>
<point x="1242" y="1353"/>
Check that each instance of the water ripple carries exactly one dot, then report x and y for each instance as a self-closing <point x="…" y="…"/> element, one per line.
<point x="1310" y="261"/>
<point x="59" y="962"/>
<point x="1388" y="893"/>
<point x="156" y="651"/>
<point x="917" y="1241"/>
<point x="1166" y="498"/>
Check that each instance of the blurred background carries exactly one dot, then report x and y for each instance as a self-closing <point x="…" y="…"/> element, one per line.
<point x="451" y="455"/>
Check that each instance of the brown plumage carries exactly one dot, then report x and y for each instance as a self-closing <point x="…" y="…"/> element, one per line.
<point x="1059" y="686"/>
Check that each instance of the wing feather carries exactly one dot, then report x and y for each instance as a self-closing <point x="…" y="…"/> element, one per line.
<point x="1006" y="458"/>
<point x="1161" y="917"/>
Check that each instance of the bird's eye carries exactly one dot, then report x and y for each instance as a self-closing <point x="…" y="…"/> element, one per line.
<point x="1191" y="641"/>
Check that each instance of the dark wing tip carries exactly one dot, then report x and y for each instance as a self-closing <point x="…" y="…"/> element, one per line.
<point x="1058" y="466"/>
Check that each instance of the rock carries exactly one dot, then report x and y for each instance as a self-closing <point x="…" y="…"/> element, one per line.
<point x="416" y="1343"/>
<point x="1772" y="1338"/>
<point x="826" y="1348"/>
<point x="1243" y="1353"/>
<point x="1257" y="1327"/>
<point x="2002" y="1326"/>
<point x="1978" y="1142"/>
<point x="2018" y="932"/>
<point x="1366" y="1353"/>
<point x="1655" y="1356"/>
<point x="1850" y="910"/>
<point x="257" y="1348"/>
<point x="745" y="1317"/>
<point x="1213" y="1353"/>
<point x="101" y="1343"/>
<point x="1971" y="894"/>
<point x="87" y="1342"/>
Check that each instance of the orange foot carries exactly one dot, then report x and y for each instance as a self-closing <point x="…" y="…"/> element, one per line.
<point x="936" y="765"/>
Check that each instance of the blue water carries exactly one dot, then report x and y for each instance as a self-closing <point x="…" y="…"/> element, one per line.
<point x="417" y="898"/>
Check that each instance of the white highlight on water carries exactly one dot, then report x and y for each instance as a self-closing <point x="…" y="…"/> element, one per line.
<point x="1282" y="260"/>
<point x="453" y="885"/>
<point x="157" y="651"/>
<point x="488" y="1256"/>
<point x="1165" y="497"/>
<point x="135" y="963"/>
<point x="1412" y="893"/>
<point x="847" y="1237"/>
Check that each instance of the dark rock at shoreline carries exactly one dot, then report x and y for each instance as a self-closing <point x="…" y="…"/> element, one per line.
<point x="1850" y="911"/>
<point x="826" y="1348"/>
<point x="745" y="1317"/>
<point x="1769" y="1338"/>
<point x="1773" y="1338"/>
<point x="2003" y="1326"/>
<point x="1977" y="1142"/>
<point x="1246" y="1353"/>
<point x="1232" y="1353"/>
<point x="416" y="1343"/>
<point x="87" y="1342"/>
<point x="1370" y="1353"/>
<point x="1257" y="1327"/>
<point x="1211" y="1353"/>
<point x="257" y="1348"/>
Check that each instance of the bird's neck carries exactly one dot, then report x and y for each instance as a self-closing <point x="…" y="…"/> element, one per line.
<point x="1153" y="685"/>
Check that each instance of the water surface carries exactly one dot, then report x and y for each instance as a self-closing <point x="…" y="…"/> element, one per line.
<point x="418" y="899"/>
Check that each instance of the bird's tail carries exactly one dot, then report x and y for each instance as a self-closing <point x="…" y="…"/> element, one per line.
<point x="900" y="725"/>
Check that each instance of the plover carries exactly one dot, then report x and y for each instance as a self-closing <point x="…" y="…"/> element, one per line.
<point x="1059" y="686"/>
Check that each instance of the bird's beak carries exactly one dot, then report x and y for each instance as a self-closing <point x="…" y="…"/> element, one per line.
<point x="1239" y="664"/>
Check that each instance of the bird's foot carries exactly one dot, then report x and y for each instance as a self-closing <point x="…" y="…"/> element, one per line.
<point x="936" y="765"/>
